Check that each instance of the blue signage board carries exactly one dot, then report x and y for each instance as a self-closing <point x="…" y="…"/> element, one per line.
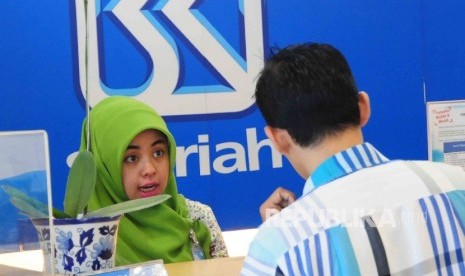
<point x="196" y="63"/>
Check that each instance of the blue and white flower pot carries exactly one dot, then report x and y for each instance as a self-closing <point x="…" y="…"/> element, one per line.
<point x="80" y="245"/>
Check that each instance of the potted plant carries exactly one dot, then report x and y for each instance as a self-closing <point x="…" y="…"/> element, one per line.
<point x="82" y="241"/>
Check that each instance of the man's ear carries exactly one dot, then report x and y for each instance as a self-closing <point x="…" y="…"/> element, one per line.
<point x="364" y="106"/>
<point x="280" y="138"/>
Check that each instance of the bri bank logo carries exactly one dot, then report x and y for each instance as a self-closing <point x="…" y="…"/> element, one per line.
<point x="155" y="28"/>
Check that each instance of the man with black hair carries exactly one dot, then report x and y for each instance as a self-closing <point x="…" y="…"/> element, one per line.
<point x="360" y="213"/>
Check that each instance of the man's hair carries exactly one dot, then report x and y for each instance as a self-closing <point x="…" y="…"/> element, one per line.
<point x="308" y="90"/>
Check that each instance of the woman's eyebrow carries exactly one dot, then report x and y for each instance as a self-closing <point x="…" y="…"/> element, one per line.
<point x="158" y="141"/>
<point x="132" y="147"/>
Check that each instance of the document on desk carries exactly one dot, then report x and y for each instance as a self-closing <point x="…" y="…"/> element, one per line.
<point x="446" y="132"/>
<point x="151" y="268"/>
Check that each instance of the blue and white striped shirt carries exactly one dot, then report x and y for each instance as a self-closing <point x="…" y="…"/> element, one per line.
<point x="362" y="214"/>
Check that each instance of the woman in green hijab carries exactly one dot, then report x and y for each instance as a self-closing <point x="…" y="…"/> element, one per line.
<point x="135" y="156"/>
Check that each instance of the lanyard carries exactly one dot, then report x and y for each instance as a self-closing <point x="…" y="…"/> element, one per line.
<point x="197" y="252"/>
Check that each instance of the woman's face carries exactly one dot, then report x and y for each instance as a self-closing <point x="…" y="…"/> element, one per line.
<point x="146" y="165"/>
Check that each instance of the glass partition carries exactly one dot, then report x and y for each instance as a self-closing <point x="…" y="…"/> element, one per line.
<point x="24" y="173"/>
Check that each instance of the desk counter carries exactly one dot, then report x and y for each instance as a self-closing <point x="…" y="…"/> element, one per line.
<point x="221" y="266"/>
<point x="30" y="263"/>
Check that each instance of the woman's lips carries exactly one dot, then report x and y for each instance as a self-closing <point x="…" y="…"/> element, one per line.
<point x="150" y="189"/>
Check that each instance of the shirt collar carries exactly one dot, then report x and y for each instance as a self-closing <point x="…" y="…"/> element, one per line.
<point x="343" y="163"/>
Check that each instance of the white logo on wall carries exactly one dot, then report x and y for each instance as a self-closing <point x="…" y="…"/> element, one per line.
<point x="159" y="89"/>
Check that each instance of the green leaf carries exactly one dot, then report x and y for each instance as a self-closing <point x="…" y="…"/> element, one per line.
<point x="57" y="213"/>
<point x="18" y="196"/>
<point x="25" y="207"/>
<point x="128" y="206"/>
<point x="34" y="203"/>
<point x="81" y="183"/>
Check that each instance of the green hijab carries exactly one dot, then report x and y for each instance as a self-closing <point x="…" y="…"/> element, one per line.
<point x="159" y="232"/>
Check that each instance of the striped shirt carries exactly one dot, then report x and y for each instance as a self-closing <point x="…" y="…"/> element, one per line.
<point x="362" y="214"/>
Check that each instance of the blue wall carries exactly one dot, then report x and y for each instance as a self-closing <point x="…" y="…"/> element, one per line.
<point x="444" y="51"/>
<point x="393" y="46"/>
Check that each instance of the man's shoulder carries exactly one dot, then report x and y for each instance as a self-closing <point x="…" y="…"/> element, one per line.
<point x="440" y="172"/>
<point x="439" y="165"/>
